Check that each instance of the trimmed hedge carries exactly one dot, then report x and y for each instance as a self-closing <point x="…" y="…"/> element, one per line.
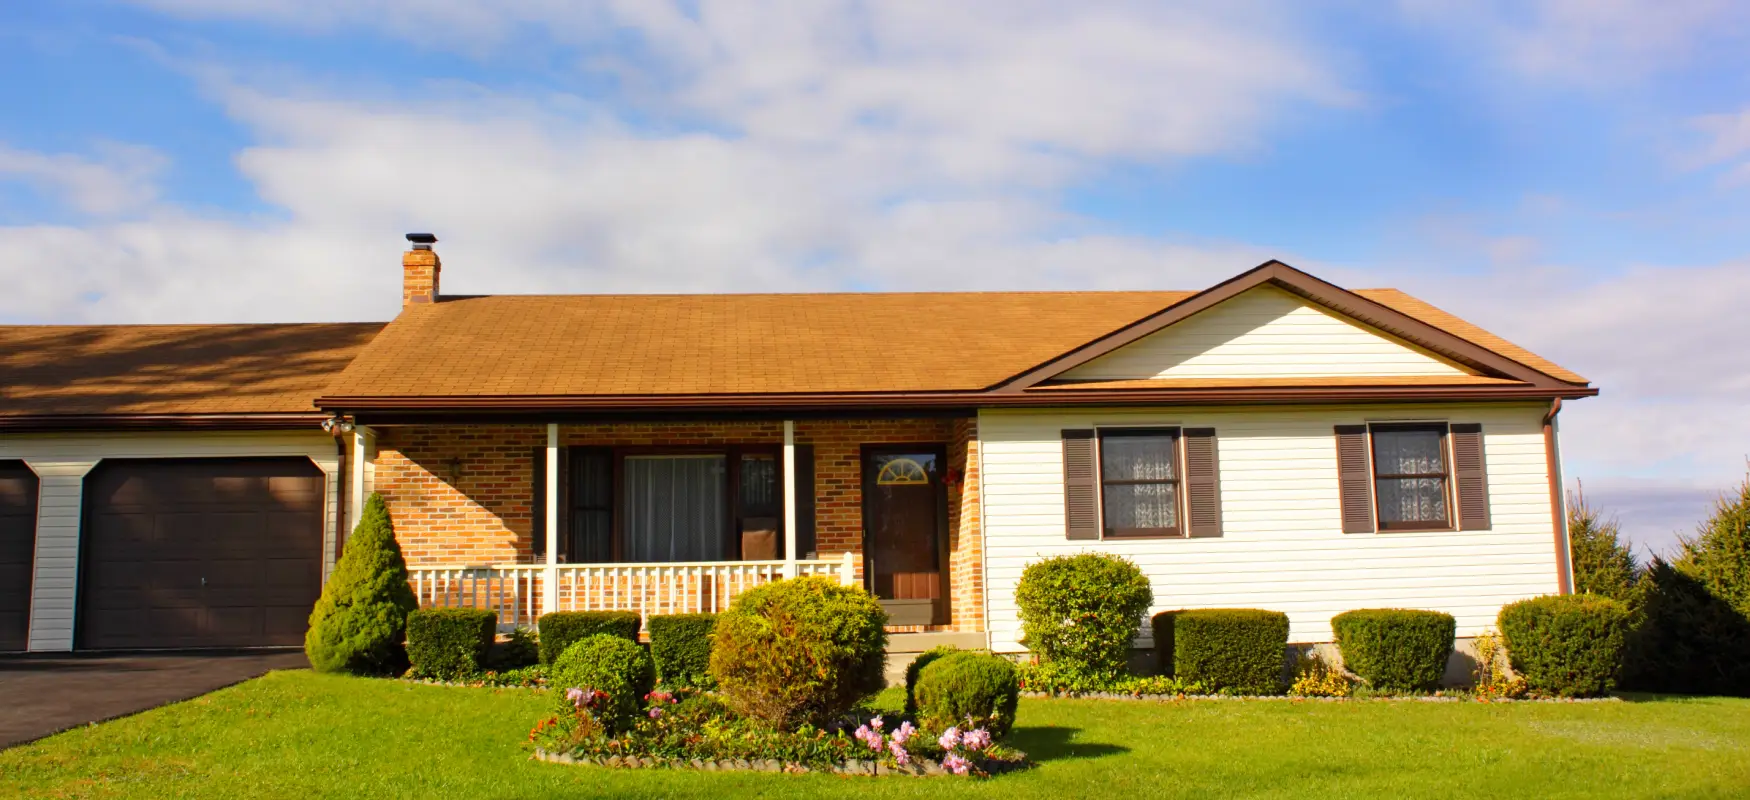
<point x="449" y="643"/>
<point x="680" y="644"/>
<point x="1083" y="611"/>
<point x="975" y="690"/>
<point x="606" y="663"/>
<point x="803" y="650"/>
<point x="1396" y="649"/>
<point x="1239" y="649"/>
<point x="560" y="628"/>
<point x="1566" y="645"/>
<point x="359" y="624"/>
<point x="916" y="666"/>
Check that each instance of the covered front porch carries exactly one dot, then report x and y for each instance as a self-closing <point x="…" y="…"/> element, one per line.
<point x="681" y="516"/>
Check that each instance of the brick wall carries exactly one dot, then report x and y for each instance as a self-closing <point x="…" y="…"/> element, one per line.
<point x="463" y="494"/>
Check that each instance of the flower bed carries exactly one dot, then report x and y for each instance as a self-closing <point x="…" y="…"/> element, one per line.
<point x="699" y="732"/>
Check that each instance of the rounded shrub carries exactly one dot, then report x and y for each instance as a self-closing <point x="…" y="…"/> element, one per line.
<point x="449" y="643"/>
<point x="1083" y="610"/>
<point x="1239" y="649"/>
<point x="1396" y="649"/>
<point x="560" y="628"/>
<point x="803" y="650"/>
<point x="359" y="624"/>
<point x="680" y="644"/>
<point x="609" y="664"/>
<point x="974" y="690"/>
<point x="1566" y="645"/>
<point x="916" y="666"/>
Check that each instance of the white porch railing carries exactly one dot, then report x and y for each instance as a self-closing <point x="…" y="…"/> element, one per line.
<point x="516" y="591"/>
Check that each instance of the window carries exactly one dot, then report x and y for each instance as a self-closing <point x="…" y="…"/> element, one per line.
<point x="1139" y="482"/>
<point x="648" y="504"/>
<point x="675" y="509"/>
<point x="1411" y="477"/>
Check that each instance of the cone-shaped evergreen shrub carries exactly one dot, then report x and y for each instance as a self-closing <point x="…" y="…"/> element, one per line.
<point x="1686" y="639"/>
<point x="1719" y="555"/>
<point x="1603" y="564"/>
<point x="360" y="623"/>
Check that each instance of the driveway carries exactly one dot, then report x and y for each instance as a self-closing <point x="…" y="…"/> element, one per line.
<point x="44" y="696"/>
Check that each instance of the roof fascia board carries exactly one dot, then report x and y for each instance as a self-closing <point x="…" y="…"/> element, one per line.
<point x="1306" y="286"/>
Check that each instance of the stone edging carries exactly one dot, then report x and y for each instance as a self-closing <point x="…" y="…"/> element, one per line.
<point x="918" y="767"/>
<point x="1283" y="697"/>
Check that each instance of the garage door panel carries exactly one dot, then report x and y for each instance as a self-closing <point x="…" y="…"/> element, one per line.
<point x="231" y="557"/>
<point x="18" y="506"/>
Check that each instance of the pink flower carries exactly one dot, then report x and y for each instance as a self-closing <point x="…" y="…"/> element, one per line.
<point x="955" y="764"/>
<point x="976" y="740"/>
<point x="862" y="733"/>
<point x="656" y="713"/>
<point x="950" y="739"/>
<point x="573" y="694"/>
<point x="904" y="732"/>
<point x="900" y="756"/>
<point x="875" y="723"/>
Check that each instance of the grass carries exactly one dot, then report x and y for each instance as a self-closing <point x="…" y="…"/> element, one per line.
<point x="299" y="734"/>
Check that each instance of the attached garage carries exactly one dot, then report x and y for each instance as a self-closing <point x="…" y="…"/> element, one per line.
<point x="18" y="497"/>
<point x="200" y="552"/>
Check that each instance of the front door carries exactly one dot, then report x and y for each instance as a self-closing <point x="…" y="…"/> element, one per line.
<point x="904" y="532"/>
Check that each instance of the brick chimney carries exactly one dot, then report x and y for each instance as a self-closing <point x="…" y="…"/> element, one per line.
<point x="419" y="271"/>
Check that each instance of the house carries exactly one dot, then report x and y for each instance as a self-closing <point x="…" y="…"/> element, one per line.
<point x="1273" y="441"/>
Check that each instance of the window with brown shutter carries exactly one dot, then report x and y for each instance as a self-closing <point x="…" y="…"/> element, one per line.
<point x="1354" y="479"/>
<point x="1411" y="477"/>
<point x="1081" y="487"/>
<point x="1202" y="483"/>
<point x="1470" y="477"/>
<point x="1139" y="482"/>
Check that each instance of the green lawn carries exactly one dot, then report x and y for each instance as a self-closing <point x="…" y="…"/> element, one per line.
<point x="297" y="735"/>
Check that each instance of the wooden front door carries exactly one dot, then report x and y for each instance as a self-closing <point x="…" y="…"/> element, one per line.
<point x="905" y="521"/>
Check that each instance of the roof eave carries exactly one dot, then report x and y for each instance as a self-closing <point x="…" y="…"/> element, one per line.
<point x="45" y="423"/>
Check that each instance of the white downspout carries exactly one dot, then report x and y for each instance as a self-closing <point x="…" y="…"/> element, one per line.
<point x="789" y="498"/>
<point x="550" y="581"/>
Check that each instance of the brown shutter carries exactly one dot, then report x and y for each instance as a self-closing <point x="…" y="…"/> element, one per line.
<point x="1202" y="483"/>
<point x="1470" y="476"/>
<point x="538" y="506"/>
<point x="1081" y="486"/>
<point x="1354" y="479"/>
<point x="805" y="544"/>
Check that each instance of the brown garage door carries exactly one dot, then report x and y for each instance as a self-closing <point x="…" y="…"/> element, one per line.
<point x="17" y="547"/>
<point x="200" y="553"/>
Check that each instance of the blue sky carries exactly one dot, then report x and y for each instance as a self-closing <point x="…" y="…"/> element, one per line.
<point x="1572" y="175"/>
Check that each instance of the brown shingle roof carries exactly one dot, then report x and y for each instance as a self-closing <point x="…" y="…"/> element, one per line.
<point x="752" y="344"/>
<point x="171" y="369"/>
<point x="730" y="344"/>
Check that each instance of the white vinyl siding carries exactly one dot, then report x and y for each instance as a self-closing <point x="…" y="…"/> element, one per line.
<point x="61" y="462"/>
<point x="1264" y="332"/>
<point x="1282" y="546"/>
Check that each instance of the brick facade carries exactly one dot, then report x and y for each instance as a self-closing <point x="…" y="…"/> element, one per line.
<point x="464" y="494"/>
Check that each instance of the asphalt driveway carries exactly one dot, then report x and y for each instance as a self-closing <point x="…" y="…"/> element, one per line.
<point x="43" y="696"/>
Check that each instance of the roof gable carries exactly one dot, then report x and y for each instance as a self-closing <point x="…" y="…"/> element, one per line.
<point x="1265" y="333"/>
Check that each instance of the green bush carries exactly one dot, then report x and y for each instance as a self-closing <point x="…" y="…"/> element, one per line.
<point x="681" y="646"/>
<point x="1719" y="555"/>
<point x="518" y="650"/>
<point x="610" y="664"/>
<point x="1686" y="639"/>
<point x="1603" y="564"/>
<point x="449" y="643"/>
<point x="1243" y="650"/>
<point x="1566" y="645"/>
<point x="803" y="650"/>
<point x="974" y="690"/>
<point x="1396" y="649"/>
<point x="560" y="628"/>
<point x="1083" y="609"/>
<point x="916" y="666"/>
<point x="359" y="625"/>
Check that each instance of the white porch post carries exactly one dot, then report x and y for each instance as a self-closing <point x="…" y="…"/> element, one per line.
<point x="550" y="581"/>
<point x="789" y="498"/>
<point x="359" y="476"/>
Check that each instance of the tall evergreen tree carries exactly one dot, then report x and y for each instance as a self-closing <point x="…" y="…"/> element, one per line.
<point x="359" y="625"/>
<point x="1603" y="564"/>
<point x="1719" y="555"/>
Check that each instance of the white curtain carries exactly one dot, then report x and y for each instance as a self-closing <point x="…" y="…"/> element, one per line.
<point x="675" y="508"/>
<point x="1410" y="453"/>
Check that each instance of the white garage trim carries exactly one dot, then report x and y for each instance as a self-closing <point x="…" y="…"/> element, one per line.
<point x="61" y="462"/>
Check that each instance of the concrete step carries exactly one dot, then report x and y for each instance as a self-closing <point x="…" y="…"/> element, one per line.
<point x="903" y="648"/>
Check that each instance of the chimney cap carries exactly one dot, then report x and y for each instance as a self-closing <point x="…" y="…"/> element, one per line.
<point x="422" y="241"/>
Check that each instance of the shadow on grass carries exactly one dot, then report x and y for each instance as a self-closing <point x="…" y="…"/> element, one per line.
<point x="1042" y="744"/>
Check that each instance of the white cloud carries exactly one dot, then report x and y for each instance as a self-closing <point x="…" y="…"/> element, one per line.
<point x="118" y="179"/>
